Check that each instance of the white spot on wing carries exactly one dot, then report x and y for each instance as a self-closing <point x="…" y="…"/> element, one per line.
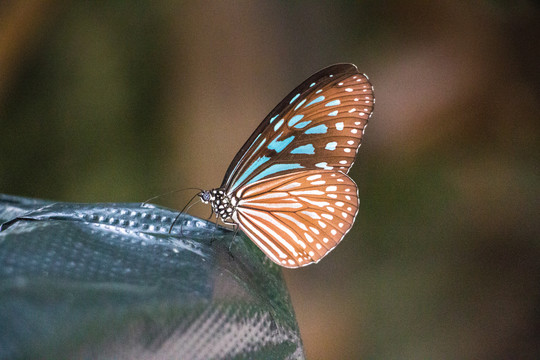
<point x="306" y="192"/>
<point x="293" y="219"/>
<point x="311" y="214"/>
<point x="313" y="202"/>
<point x="290" y="186"/>
<point x="276" y="206"/>
<point x="271" y="195"/>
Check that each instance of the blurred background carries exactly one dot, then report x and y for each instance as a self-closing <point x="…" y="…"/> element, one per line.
<point x="116" y="101"/>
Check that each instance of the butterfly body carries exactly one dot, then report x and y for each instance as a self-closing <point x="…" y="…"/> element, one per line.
<point x="287" y="188"/>
<point x="223" y="205"/>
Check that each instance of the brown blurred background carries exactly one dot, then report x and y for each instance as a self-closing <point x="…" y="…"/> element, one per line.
<point x="112" y="101"/>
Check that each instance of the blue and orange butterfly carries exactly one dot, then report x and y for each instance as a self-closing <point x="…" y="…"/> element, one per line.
<point x="287" y="188"/>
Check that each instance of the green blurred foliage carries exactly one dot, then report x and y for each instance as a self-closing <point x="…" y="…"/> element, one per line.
<point x="119" y="101"/>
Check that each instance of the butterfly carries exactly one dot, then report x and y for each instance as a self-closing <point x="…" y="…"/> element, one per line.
<point x="287" y="188"/>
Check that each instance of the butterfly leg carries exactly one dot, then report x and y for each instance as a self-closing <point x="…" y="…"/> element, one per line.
<point x="236" y="227"/>
<point x="211" y="213"/>
<point x="229" y="222"/>
<point x="214" y="232"/>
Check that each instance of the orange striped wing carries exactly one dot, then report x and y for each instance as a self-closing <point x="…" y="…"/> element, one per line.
<point x="298" y="218"/>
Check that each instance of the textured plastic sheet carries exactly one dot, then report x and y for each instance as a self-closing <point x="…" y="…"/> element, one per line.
<point x="108" y="281"/>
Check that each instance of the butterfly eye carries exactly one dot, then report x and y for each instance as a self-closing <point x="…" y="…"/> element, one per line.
<point x="205" y="196"/>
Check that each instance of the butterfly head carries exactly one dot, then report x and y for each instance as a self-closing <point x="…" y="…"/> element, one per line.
<point x="206" y="196"/>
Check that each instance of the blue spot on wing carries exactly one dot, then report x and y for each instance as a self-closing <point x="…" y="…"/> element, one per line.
<point x="250" y="170"/>
<point x="324" y="165"/>
<point x="333" y="113"/>
<point x="278" y="145"/>
<point x="331" y="145"/>
<point x="294" y="98"/>
<point x="299" y="104"/>
<point x="274" y="118"/>
<point x="258" y="147"/>
<point x="302" y="125"/>
<point x="275" y="169"/>
<point x="278" y="125"/>
<point x="319" y="129"/>
<point x="247" y="151"/>
<point x="295" y="119"/>
<point x="333" y="103"/>
<point x="319" y="99"/>
<point x="305" y="149"/>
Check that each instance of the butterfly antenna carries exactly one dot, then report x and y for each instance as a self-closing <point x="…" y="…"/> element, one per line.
<point x="167" y="193"/>
<point x="185" y="208"/>
<point x="183" y="212"/>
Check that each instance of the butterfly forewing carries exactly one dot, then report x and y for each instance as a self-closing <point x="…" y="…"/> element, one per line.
<point x="319" y="125"/>
<point x="297" y="218"/>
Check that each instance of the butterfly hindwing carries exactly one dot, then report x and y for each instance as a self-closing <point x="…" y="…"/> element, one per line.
<point x="298" y="218"/>
<point x="319" y="125"/>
